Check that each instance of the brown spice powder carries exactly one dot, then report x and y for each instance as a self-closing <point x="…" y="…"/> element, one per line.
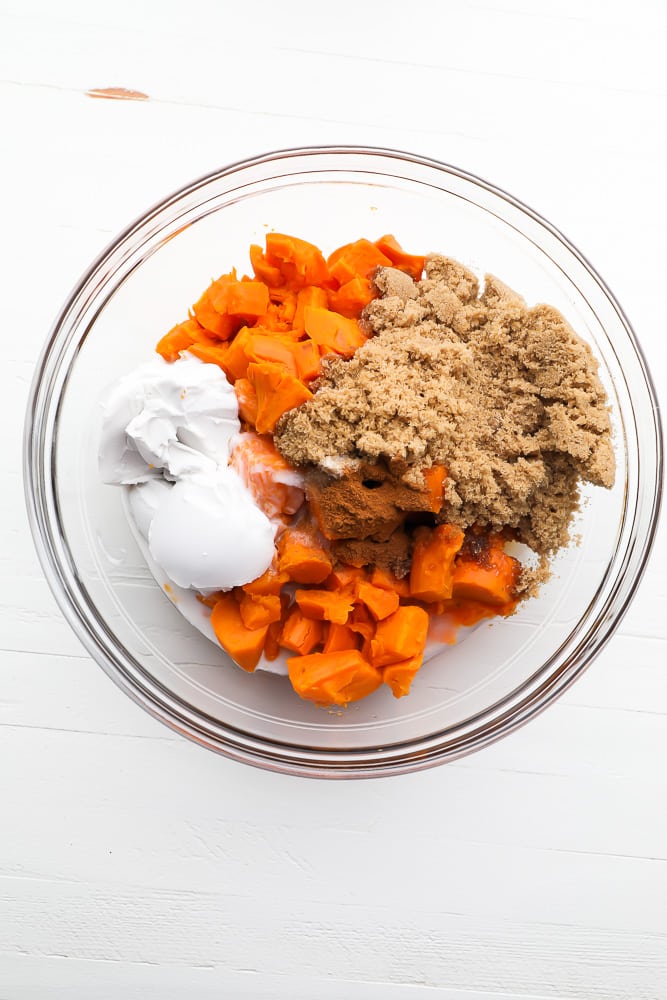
<point x="506" y="397"/>
<point x="362" y="512"/>
<point x="366" y="502"/>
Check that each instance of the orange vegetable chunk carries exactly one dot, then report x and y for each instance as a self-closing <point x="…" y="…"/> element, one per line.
<point x="307" y="359"/>
<point x="352" y="297"/>
<point x="272" y="641"/>
<point x="491" y="580"/>
<point x="333" y="678"/>
<point x="270" y="582"/>
<point x="301" y="559"/>
<point x="277" y="392"/>
<point x="435" y="487"/>
<point x="271" y="480"/>
<point x="299" y="262"/>
<point x="332" y="331"/>
<point x="432" y="570"/>
<point x="399" y="676"/>
<point x="236" y="361"/>
<point x="212" y="354"/>
<point x="343" y="575"/>
<point x="384" y="578"/>
<point x="273" y="320"/>
<point x="258" y="610"/>
<point x="246" y="397"/>
<point x="362" y="621"/>
<point x="279" y="314"/>
<point x="221" y="326"/>
<point x="247" y="298"/>
<point x="356" y="260"/>
<point x="210" y="600"/>
<point x="412" y="264"/>
<point x="217" y="291"/>
<point x="325" y="605"/>
<point x="270" y="347"/>
<point x="311" y="295"/>
<point x="268" y="273"/>
<point x="300" y="633"/>
<point x="339" y="637"/>
<point x="243" y="644"/>
<point x="200" y="335"/>
<point x="380" y="602"/>
<point x="400" y="636"/>
<point x="178" y="339"/>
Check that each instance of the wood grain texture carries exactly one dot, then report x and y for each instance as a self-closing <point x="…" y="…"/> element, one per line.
<point x="133" y="864"/>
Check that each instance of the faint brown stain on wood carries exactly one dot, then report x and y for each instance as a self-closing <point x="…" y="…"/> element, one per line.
<point x="117" y="94"/>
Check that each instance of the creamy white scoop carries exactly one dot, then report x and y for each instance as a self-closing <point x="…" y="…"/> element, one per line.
<point x="167" y="435"/>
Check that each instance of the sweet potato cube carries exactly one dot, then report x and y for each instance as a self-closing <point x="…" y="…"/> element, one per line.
<point x="338" y="637"/>
<point x="258" y="610"/>
<point x="490" y="581"/>
<point x="400" y="636"/>
<point x="333" y="678"/>
<point x="300" y="633"/>
<point x="325" y="605"/>
<point x="399" y="676"/>
<point x="412" y="264"/>
<point x="356" y="260"/>
<point x="277" y="392"/>
<point x="332" y="332"/>
<point x="432" y="570"/>
<point x="380" y="602"/>
<point x="243" y="644"/>
<point x="301" y="559"/>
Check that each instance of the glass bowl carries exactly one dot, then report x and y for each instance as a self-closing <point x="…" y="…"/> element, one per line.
<point x="470" y="694"/>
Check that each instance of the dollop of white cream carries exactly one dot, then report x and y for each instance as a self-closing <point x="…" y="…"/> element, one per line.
<point x="167" y="435"/>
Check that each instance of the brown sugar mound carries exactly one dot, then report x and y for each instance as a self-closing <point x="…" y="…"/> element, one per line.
<point x="507" y="397"/>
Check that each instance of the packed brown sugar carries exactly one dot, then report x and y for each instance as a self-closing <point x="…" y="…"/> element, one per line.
<point x="507" y="397"/>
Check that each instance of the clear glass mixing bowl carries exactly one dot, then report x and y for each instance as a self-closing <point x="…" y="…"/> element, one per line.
<point x="502" y="673"/>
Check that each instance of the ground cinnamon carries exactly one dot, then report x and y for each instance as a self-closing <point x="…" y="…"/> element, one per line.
<point x="363" y="511"/>
<point x="366" y="502"/>
<point x="393" y="554"/>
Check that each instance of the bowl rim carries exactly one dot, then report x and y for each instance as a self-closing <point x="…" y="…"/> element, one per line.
<point x="398" y="757"/>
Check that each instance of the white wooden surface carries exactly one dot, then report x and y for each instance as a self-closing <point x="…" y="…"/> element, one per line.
<point x="132" y="863"/>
